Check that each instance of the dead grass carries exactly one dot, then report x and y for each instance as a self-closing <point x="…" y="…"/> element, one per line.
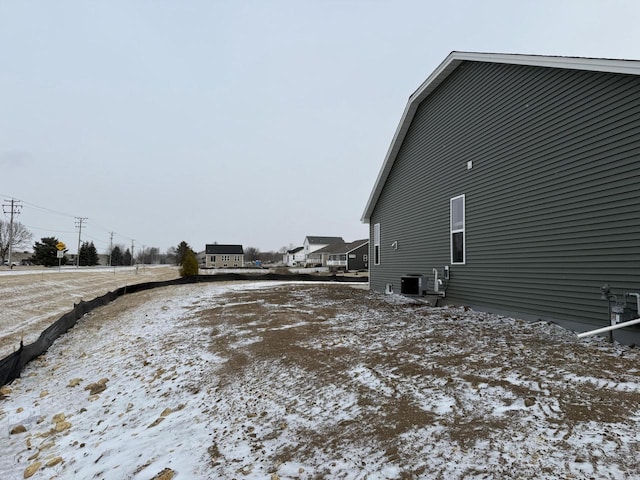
<point x="29" y="303"/>
<point x="345" y="381"/>
<point x="480" y="365"/>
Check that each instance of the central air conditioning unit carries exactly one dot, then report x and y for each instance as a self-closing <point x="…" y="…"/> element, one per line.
<point x="413" y="285"/>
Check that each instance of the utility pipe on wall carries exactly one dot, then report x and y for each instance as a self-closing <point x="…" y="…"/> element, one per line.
<point x="637" y="295"/>
<point x="609" y="328"/>
<point x="436" y="281"/>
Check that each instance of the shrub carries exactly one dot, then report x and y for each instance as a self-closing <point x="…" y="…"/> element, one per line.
<point x="189" y="265"/>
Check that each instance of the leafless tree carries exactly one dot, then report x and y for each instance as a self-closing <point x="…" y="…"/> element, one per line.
<point x="251" y="254"/>
<point x="285" y="249"/>
<point x="17" y="237"/>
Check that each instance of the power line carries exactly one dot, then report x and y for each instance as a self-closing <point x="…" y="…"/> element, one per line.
<point x="46" y="209"/>
<point x="47" y="229"/>
<point x="64" y="214"/>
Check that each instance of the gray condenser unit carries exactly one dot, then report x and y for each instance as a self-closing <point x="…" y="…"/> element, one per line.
<point x="413" y="284"/>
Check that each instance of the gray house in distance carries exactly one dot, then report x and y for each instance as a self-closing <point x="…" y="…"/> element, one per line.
<point x="512" y="185"/>
<point x="351" y="256"/>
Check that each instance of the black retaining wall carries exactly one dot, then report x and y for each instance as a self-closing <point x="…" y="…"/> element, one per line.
<point x="12" y="365"/>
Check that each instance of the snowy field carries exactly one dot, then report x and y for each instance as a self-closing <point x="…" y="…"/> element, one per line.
<point x="31" y="298"/>
<point x="318" y="381"/>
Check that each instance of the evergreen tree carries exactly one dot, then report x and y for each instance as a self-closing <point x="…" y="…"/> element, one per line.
<point x="93" y="255"/>
<point x="116" y="256"/>
<point x="181" y="252"/>
<point x="88" y="255"/>
<point x="45" y="252"/>
<point x="83" y="254"/>
<point x="189" y="265"/>
<point x="126" y="258"/>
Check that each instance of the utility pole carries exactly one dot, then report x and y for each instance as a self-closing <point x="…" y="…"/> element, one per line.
<point x="132" y="251"/>
<point x="14" y="209"/>
<point x="110" y="246"/>
<point x="79" y="221"/>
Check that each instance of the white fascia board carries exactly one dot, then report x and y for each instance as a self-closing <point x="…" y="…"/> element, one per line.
<point x="630" y="67"/>
<point x="609" y="65"/>
<point x="435" y="79"/>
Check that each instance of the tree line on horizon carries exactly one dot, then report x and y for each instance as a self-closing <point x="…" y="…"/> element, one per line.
<point x="45" y="251"/>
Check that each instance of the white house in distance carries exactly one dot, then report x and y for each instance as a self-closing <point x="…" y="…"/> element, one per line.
<point x="293" y="257"/>
<point x="312" y="244"/>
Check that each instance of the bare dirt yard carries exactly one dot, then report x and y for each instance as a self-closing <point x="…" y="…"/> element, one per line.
<point x="268" y="380"/>
<point x="31" y="299"/>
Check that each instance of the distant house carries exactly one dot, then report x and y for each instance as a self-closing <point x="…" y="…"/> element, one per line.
<point x="312" y="244"/>
<point x="224" y="256"/>
<point x="511" y="184"/>
<point x="294" y="257"/>
<point x="345" y="256"/>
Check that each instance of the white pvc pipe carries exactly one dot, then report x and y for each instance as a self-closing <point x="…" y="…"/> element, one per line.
<point x="609" y="328"/>
<point x="637" y="295"/>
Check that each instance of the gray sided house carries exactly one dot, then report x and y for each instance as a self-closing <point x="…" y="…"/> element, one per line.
<point x="351" y="256"/>
<point x="518" y="178"/>
<point x="358" y="255"/>
<point x="224" y="256"/>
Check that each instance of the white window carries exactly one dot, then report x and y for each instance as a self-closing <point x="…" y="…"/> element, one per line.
<point x="376" y="244"/>
<point x="457" y="218"/>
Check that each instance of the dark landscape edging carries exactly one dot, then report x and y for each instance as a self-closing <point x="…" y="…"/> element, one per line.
<point x="11" y="366"/>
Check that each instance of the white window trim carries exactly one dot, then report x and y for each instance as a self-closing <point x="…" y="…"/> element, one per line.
<point x="458" y="230"/>
<point x="376" y="243"/>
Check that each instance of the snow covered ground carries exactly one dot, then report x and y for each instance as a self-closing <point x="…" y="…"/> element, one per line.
<point x="31" y="298"/>
<point x="268" y="380"/>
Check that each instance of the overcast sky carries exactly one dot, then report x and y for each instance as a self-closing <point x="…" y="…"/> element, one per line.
<point x="250" y="122"/>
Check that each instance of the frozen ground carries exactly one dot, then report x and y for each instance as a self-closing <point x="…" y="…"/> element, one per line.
<point x="310" y="381"/>
<point x="32" y="298"/>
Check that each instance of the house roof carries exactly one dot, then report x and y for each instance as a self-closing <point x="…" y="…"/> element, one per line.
<point x="220" y="249"/>
<point x="342" y="247"/>
<point x="339" y="247"/>
<point x="324" y="240"/>
<point x="357" y="244"/>
<point x="448" y="66"/>
<point x="294" y="250"/>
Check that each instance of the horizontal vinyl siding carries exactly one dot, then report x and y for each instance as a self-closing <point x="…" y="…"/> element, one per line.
<point x="552" y="203"/>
